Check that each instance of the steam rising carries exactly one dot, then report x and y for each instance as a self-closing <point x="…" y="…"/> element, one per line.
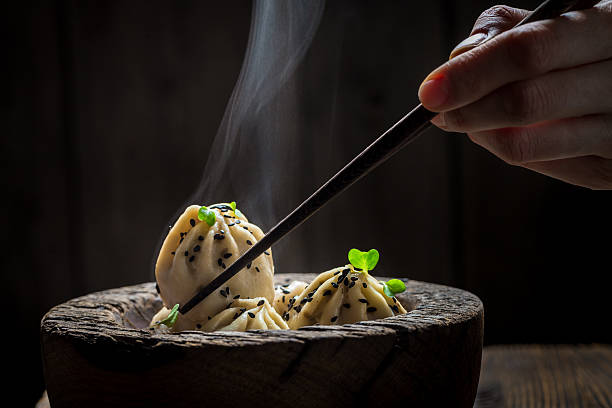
<point x="254" y="159"/>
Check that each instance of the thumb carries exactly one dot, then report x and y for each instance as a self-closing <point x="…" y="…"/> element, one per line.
<point x="491" y="22"/>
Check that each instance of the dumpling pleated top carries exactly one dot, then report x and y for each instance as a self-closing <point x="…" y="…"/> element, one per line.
<point x="194" y="253"/>
<point x="340" y="296"/>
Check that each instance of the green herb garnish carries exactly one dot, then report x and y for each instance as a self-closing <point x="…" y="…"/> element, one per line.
<point x="366" y="261"/>
<point x="171" y="319"/>
<point x="233" y="205"/>
<point x="393" y="287"/>
<point x="204" y="214"/>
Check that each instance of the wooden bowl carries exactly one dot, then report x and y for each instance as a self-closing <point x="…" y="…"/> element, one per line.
<point x="97" y="351"/>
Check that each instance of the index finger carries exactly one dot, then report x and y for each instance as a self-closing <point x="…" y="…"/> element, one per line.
<point x="572" y="39"/>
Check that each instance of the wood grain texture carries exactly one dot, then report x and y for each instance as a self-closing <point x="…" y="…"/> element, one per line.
<point x="98" y="352"/>
<point x="530" y="376"/>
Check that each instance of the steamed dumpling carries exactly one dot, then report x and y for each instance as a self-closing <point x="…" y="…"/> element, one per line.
<point x="339" y="296"/>
<point x="240" y="315"/>
<point x="284" y="293"/>
<point x="246" y="314"/>
<point x="194" y="253"/>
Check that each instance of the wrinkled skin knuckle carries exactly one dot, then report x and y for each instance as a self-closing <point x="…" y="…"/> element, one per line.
<point x="496" y="16"/>
<point x="515" y="147"/>
<point x="525" y="101"/>
<point x="528" y="50"/>
<point x="516" y="105"/>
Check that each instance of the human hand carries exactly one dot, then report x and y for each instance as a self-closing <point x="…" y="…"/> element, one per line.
<point x="537" y="96"/>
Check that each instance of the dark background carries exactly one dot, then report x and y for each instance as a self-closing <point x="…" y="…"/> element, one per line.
<point x="109" y="109"/>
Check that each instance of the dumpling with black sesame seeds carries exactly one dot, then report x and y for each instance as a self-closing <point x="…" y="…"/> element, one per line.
<point x="198" y="248"/>
<point x="284" y="293"/>
<point x="340" y="296"/>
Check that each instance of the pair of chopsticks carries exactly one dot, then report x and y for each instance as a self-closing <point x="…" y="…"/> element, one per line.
<point x="389" y="143"/>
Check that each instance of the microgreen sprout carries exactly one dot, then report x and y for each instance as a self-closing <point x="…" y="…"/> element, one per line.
<point x="233" y="205"/>
<point x="171" y="318"/>
<point x="393" y="287"/>
<point x="366" y="261"/>
<point x="236" y="210"/>
<point x="204" y="214"/>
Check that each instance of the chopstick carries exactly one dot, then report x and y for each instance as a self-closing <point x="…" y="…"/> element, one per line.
<point x="388" y="144"/>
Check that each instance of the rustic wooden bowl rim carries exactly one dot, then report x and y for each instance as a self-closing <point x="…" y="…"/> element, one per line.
<point x="113" y="311"/>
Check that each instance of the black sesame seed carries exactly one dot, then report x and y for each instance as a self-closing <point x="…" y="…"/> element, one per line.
<point x="257" y="268"/>
<point x="266" y="252"/>
<point x="354" y="278"/>
<point x="362" y="300"/>
<point x="209" y="317"/>
<point x="285" y="285"/>
<point x="365" y="285"/>
<point x="291" y="301"/>
<point x="346" y="282"/>
<point x="311" y="293"/>
<point x="283" y="298"/>
<point x="333" y="319"/>
<point x="191" y="258"/>
<point x="223" y="265"/>
<point x="182" y="233"/>
<point x="227" y="290"/>
<point x="327" y="292"/>
<point x="357" y="269"/>
<point x="249" y="265"/>
<point x="251" y="315"/>
<point x="228" y="216"/>
<point x="394" y="299"/>
<point x="337" y="272"/>
<point x="231" y="225"/>
<point x="238" y="221"/>
<point x="335" y="285"/>
<point x="245" y="228"/>
<point x="261" y="302"/>
<point x="347" y="305"/>
<point x="310" y="299"/>
<point x="186" y="253"/>
<point x="298" y="309"/>
<point x="303" y="301"/>
<point x="222" y="292"/>
<point x="236" y="297"/>
<point x="249" y="242"/>
<point x="286" y="316"/>
<point x="196" y="248"/>
<point x="236" y="316"/>
<point x="285" y="291"/>
<point x="395" y="308"/>
<point x="156" y="287"/>
<point x="220" y="261"/>
<point x="351" y="285"/>
<point x="173" y="253"/>
<point x="192" y="222"/>
<point x="181" y="241"/>
<point x="219" y="236"/>
<point x="242" y="309"/>
<point x="347" y="270"/>
<point x="200" y="238"/>
<point x="371" y="309"/>
<point x="223" y="209"/>
<point x="199" y="326"/>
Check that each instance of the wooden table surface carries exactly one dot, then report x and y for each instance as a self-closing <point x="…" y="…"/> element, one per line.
<point x="545" y="376"/>
<point x="529" y="376"/>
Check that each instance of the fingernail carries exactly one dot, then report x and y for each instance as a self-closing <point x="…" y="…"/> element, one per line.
<point x="467" y="44"/>
<point x="433" y="91"/>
